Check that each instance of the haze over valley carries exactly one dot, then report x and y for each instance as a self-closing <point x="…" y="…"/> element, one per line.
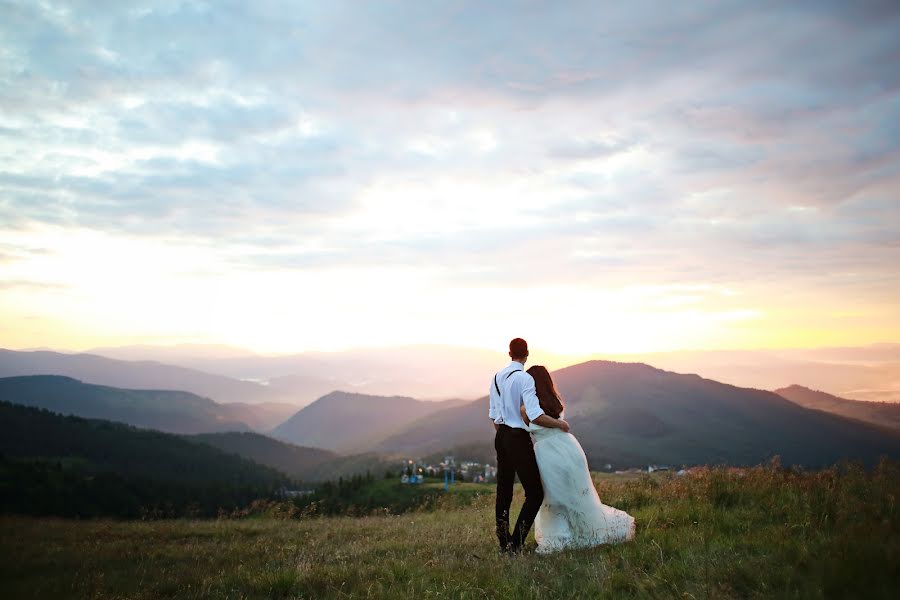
<point x="625" y="414"/>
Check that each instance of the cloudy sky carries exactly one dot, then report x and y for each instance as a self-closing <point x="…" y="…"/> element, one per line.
<point x="598" y="177"/>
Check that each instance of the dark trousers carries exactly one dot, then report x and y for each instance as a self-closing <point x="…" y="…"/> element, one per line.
<point x="515" y="456"/>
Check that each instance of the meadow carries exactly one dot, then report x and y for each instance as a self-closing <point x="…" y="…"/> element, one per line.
<point x="766" y="532"/>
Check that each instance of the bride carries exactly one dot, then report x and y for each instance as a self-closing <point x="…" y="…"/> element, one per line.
<point x="572" y="515"/>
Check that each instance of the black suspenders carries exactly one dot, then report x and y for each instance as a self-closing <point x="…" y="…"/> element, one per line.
<point x="497" y="387"/>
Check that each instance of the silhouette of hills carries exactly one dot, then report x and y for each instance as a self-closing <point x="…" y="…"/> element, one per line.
<point x="64" y="465"/>
<point x="347" y="422"/>
<point x="29" y="432"/>
<point x="631" y="414"/>
<point x="202" y="419"/>
<point x="627" y="414"/>
<point x="430" y="372"/>
<point x="171" y="411"/>
<point x="862" y="373"/>
<point x="226" y="375"/>
<point x="261" y="417"/>
<point x="297" y="461"/>
<point x="303" y="463"/>
<point x="441" y="372"/>
<point x="883" y="414"/>
<point x="171" y="354"/>
<point x="136" y="375"/>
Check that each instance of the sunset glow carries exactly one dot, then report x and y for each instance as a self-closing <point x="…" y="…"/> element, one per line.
<point x="618" y="193"/>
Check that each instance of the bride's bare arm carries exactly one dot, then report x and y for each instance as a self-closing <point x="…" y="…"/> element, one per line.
<point x="548" y="421"/>
<point x="544" y="420"/>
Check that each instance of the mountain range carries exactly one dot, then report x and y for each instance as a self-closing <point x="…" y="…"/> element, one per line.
<point x="347" y="422"/>
<point x="626" y="414"/>
<point x="862" y="373"/>
<point x="220" y="425"/>
<point x="634" y="414"/>
<point x="882" y="414"/>
<point x="438" y="372"/>
<point x="429" y="372"/>
<point x="229" y="376"/>
<point x="164" y="410"/>
<point x="145" y="375"/>
<point x="426" y="372"/>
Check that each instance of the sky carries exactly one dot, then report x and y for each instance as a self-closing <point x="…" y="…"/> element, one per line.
<point x="593" y="176"/>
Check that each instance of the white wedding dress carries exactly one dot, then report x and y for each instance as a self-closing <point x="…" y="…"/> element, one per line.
<point x="572" y="515"/>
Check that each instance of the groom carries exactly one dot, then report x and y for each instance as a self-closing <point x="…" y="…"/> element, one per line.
<point x="511" y="388"/>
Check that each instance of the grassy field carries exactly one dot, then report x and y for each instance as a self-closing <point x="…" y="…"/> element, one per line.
<point x="758" y="533"/>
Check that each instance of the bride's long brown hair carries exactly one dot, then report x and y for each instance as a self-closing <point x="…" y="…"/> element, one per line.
<point x="551" y="402"/>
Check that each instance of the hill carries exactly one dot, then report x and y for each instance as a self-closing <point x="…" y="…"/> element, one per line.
<point x="631" y="414"/>
<point x="136" y="375"/>
<point x="70" y="466"/>
<point x="883" y="414"/>
<point x="431" y="372"/>
<point x="446" y="430"/>
<point x="172" y="354"/>
<point x="347" y="422"/>
<point x="863" y="373"/>
<point x="297" y="461"/>
<point x="261" y="417"/>
<point x="174" y="412"/>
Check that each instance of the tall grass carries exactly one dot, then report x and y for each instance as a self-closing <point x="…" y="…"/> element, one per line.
<point x="715" y="533"/>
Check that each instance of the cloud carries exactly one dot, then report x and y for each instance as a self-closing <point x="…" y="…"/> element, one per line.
<point x="588" y="141"/>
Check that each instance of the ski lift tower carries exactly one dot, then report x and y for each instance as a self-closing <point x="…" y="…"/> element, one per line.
<point x="449" y="465"/>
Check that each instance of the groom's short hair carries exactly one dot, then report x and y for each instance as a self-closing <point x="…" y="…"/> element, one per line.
<point x="518" y="348"/>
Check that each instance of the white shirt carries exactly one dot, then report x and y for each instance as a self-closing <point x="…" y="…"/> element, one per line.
<point x="515" y="389"/>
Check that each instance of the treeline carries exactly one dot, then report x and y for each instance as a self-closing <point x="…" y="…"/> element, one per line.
<point x="69" y="466"/>
<point x="55" y="465"/>
<point x="52" y="488"/>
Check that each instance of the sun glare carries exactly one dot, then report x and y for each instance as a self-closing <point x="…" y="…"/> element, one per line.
<point x="117" y="288"/>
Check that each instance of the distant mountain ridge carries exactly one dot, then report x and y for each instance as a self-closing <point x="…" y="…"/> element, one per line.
<point x="163" y="410"/>
<point x="198" y="419"/>
<point x="171" y="353"/>
<point x="869" y="372"/>
<point x="425" y="372"/>
<point x="864" y="373"/>
<point x="135" y="375"/>
<point x="250" y="379"/>
<point x="631" y="414"/>
<point x="883" y="414"/>
<point x="627" y="414"/>
<point x="348" y="422"/>
<point x="262" y="417"/>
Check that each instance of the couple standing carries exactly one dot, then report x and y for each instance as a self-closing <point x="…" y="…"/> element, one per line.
<point x="560" y="498"/>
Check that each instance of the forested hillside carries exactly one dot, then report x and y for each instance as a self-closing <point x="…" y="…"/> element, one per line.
<point x="70" y="466"/>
